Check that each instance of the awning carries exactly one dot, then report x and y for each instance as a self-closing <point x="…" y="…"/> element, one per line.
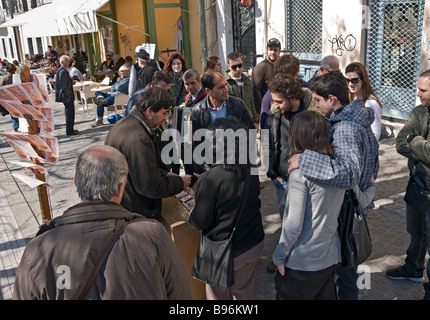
<point x="60" y="17"/>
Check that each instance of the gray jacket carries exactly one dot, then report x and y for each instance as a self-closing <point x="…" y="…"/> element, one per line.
<point x="309" y="240"/>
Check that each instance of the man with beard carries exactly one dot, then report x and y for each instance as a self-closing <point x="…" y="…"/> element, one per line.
<point x="263" y="72"/>
<point x="289" y="99"/>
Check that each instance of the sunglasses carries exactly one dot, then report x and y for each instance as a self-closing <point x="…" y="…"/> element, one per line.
<point x="237" y="66"/>
<point x="353" y="80"/>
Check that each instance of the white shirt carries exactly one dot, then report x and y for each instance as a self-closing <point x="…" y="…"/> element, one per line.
<point x="376" y="125"/>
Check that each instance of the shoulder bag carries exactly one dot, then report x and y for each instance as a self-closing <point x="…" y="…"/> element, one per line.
<point x="356" y="244"/>
<point x="101" y="260"/>
<point x="214" y="260"/>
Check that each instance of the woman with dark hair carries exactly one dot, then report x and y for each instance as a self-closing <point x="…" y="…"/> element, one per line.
<point x="359" y="87"/>
<point x="309" y="247"/>
<point x="219" y="195"/>
<point x="176" y="66"/>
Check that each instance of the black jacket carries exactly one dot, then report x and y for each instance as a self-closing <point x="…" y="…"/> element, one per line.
<point x="235" y="107"/>
<point x="63" y="86"/>
<point x="201" y="118"/>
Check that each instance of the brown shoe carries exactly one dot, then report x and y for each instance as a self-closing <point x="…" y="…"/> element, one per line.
<point x="261" y="186"/>
<point x="97" y="124"/>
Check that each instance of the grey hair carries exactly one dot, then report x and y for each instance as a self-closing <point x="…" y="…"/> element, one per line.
<point x="99" y="171"/>
<point x="64" y="58"/>
<point x="330" y="62"/>
<point x="191" y="73"/>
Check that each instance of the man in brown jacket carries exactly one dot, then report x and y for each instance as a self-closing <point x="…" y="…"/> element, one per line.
<point x="143" y="263"/>
<point x="136" y="136"/>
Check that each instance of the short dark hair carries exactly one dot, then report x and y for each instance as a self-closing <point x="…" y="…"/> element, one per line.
<point x="161" y="75"/>
<point x="208" y="79"/>
<point x="233" y="56"/>
<point x="287" y="86"/>
<point x="287" y="63"/>
<point x="425" y="74"/>
<point x="155" y="98"/>
<point x="332" y="83"/>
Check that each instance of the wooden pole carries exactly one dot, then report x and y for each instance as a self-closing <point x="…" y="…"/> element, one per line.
<point x="42" y="191"/>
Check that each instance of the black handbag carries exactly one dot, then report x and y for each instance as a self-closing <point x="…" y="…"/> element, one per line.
<point x="356" y="244"/>
<point x="417" y="193"/>
<point x="214" y="260"/>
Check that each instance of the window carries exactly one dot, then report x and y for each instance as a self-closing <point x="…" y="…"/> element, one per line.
<point x="11" y="48"/>
<point x="304" y="33"/>
<point x="394" y="54"/>
<point x="39" y="45"/>
<point x="244" y="32"/>
<point x="4" y="47"/>
<point x="30" y="47"/>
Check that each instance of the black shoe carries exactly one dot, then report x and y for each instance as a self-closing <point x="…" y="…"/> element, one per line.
<point x="400" y="273"/>
<point x="74" y="133"/>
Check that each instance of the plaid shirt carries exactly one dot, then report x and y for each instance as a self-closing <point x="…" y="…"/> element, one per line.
<point x="356" y="151"/>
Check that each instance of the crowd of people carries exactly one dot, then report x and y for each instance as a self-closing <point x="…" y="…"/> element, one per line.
<point x="322" y="140"/>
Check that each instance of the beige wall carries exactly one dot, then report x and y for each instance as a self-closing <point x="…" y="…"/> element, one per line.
<point x="343" y="30"/>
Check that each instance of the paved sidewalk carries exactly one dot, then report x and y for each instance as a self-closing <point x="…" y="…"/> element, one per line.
<point x="20" y="211"/>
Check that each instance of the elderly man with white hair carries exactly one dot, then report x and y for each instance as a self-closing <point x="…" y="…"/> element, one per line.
<point x="64" y="94"/>
<point x="105" y="99"/>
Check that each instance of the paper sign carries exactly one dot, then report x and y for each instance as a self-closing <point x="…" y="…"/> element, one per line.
<point x="20" y="110"/>
<point x="19" y="92"/>
<point x="40" y="81"/>
<point x="31" y="167"/>
<point x="25" y="151"/>
<point x="31" y="182"/>
<point x="150" y="48"/>
<point x="34" y="93"/>
<point x="35" y="140"/>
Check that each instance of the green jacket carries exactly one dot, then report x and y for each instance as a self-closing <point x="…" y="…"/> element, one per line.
<point x="418" y="149"/>
<point x="247" y="94"/>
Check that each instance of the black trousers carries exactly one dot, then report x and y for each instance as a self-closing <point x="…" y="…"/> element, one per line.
<point x="306" y="285"/>
<point x="69" y="109"/>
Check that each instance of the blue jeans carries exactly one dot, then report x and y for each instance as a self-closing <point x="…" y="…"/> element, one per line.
<point x="15" y="122"/>
<point x="280" y="187"/>
<point x="101" y="108"/>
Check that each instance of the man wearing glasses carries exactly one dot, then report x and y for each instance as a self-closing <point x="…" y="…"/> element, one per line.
<point x="327" y="64"/>
<point x="263" y="72"/>
<point x="239" y="85"/>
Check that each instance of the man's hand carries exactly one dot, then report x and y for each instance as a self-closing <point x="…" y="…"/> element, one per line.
<point x="187" y="181"/>
<point x="281" y="269"/>
<point x="197" y="181"/>
<point x="293" y="162"/>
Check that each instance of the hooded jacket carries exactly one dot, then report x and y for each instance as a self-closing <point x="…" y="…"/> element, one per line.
<point x="355" y="146"/>
<point x="144" y="263"/>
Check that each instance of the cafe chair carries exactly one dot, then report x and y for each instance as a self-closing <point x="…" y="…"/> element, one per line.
<point x="87" y="94"/>
<point x="120" y="102"/>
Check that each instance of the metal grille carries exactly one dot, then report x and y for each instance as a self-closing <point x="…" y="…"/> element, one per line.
<point x="304" y="28"/>
<point x="304" y="34"/>
<point x="394" y="53"/>
<point x="244" y="32"/>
